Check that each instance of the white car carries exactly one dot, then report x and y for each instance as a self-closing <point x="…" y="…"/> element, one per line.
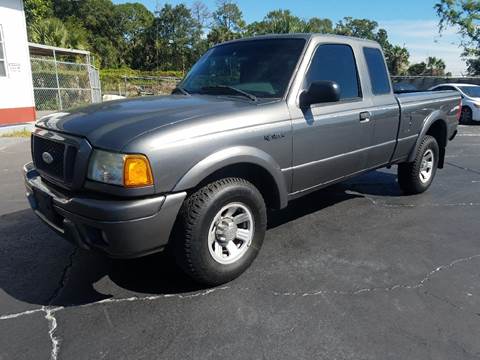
<point x="470" y="100"/>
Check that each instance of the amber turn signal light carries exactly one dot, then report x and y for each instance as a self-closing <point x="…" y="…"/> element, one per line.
<point x="137" y="171"/>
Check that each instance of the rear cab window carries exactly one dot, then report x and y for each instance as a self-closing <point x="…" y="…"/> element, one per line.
<point x="336" y="62"/>
<point x="377" y="70"/>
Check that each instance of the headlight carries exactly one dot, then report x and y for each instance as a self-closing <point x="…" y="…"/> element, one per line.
<point x="120" y="169"/>
<point x="477" y="104"/>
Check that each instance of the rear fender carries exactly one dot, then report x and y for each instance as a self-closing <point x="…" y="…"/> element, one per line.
<point x="432" y="118"/>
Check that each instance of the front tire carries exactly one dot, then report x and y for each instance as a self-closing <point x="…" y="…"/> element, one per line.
<point x="220" y="231"/>
<point x="466" y="117"/>
<point x="417" y="176"/>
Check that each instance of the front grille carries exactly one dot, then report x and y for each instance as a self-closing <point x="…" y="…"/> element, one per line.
<point x="57" y="153"/>
<point x="60" y="159"/>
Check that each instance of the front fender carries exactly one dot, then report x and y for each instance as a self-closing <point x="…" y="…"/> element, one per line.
<point x="231" y="156"/>
<point x="429" y="120"/>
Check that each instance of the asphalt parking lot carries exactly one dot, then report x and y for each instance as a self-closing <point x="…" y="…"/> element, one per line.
<point x="354" y="271"/>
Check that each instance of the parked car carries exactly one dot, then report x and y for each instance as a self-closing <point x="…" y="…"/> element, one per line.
<point x="404" y="87"/>
<point x="255" y="124"/>
<point x="470" y="100"/>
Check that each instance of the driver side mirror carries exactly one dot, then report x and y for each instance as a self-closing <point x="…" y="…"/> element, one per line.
<point x="323" y="91"/>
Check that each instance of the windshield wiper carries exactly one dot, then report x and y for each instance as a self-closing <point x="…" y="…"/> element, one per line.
<point x="181" y="90"/>
<point x="232" y="89"/>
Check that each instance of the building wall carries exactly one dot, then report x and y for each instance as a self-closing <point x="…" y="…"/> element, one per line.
<point x="16" y="90"/>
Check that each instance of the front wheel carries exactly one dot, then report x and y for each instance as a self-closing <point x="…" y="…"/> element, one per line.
<point x="220" y="230"/>
<point x="417" y="176"/>
<point x="466" y="116"/>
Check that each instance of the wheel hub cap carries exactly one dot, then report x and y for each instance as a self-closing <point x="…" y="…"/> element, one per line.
<point x="226" y="231"/>
<point x="231" y="233"/>
<point x="426" y="166"/>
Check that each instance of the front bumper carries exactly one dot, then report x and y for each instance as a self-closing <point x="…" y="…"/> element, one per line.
<point x="121" y="228"/>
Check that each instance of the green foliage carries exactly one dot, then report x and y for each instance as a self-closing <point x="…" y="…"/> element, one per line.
<point x="129" y="36"/>
<point x="431" y="67"/>
<point x="54" y="32"/>
<point x="417" y="69"/>
<point x="37" y="9"/>
<point x="465" y="16"/>
<point x="227" y="23"/>
<point x="397" y="59"/>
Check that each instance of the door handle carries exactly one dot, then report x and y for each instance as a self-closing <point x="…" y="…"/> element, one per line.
<point x="365" y="116"/>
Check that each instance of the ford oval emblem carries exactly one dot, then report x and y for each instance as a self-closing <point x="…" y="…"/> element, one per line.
<point x="47" y="157"/>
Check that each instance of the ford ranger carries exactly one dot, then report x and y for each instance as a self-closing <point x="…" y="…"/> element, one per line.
<point x="256" y="123"/>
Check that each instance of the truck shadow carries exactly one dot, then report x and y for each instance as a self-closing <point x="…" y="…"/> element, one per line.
<point x="38" y="267"/>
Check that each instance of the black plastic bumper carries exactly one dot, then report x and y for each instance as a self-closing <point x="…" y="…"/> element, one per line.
<point x="120" y="228"/>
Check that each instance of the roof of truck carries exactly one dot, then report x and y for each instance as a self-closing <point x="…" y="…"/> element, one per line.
<point x="306" y="36"/>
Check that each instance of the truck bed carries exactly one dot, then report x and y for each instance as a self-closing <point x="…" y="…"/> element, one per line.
<point x="416" y="108"/>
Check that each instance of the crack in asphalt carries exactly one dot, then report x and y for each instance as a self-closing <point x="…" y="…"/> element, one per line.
<point x="417" y="285"/>
<point x="379" y="203"/>
<point x="64" y="278"/>
<point x="463" y="168"/>
<point x="53" y="325"/>
<point x="51" y="310"/>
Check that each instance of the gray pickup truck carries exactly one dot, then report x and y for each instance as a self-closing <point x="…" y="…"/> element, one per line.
<point x="255" y="124"/>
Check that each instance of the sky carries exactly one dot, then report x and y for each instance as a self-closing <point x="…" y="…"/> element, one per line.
<point x="411" y="23"/>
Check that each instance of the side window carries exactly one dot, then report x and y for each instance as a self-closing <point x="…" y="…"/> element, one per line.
<point x="377" y="70"/>
<point x="336" y="63"/>
<point x="3" y="65"/>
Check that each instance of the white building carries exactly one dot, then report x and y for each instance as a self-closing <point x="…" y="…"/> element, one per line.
<point x="16" y="92"/>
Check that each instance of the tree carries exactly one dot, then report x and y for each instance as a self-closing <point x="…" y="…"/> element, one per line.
<point x="37" y="9"/>
<point x="278" y="22"/>
<point x="228" y="22"/>
<point x="397" y="60"/>
<point x="102" y="23"/>
<point x="362" y="28"/>
<point x="201" y="14"/>
<point x="175" y="33"/>
<point x="435" y="66"/>
<point x="396" y="56"/>
<point x="54" y="32"/>
<point x="465" y="16"/>
<point x="417" y="69"/>
<point x="317" y="25"/>
<point x="432" y="67"/>
<point x="135" y="19"/>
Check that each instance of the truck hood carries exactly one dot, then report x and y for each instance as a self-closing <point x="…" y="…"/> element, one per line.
<point x="111" y="125"/>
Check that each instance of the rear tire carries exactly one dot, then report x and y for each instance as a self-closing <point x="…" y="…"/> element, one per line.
<point x="417" y="176"/>
<point x="466" y="117"/>
<point x="220" y="231"/>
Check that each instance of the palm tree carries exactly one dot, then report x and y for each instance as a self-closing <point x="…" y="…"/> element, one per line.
<point x="50" y="31"/>
<point x="435" y="66"/>
<point x="54" y="32"/>
<point x="397" y="60"/>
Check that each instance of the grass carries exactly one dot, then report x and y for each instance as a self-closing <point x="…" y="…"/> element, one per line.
<point x="17" y="133"/>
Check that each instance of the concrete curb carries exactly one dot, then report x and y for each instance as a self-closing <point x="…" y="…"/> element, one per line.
<point x="7" y="129"/>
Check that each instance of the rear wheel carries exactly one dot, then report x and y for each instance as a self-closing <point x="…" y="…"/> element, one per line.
<point x="466" y="116"/>
<point x="417" y="176"/>
<point x="220" y="230"/>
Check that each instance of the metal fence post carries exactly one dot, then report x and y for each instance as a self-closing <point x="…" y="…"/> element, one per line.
<point x="58" y="82"/>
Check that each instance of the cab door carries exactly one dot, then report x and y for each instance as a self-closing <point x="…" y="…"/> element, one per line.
<point x="331" y="140"/>
<point x="385" y="111"/>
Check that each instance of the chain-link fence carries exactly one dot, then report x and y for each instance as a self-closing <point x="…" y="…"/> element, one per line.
<point x="130" y="86"/>
<point x="426" y="82"/>
<point x="62" y="84"/>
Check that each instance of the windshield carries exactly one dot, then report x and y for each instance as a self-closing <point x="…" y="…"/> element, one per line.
<point x="262" y="68"/>
<point x="472" y="91"/>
